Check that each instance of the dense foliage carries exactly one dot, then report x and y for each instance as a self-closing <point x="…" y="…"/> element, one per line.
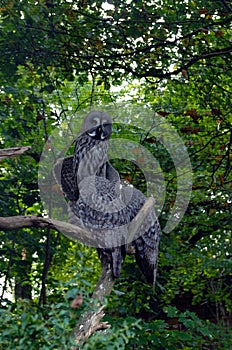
<point x="174" y="58"/>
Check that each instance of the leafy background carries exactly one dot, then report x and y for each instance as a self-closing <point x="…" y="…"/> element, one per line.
<point x="58" y="57"/>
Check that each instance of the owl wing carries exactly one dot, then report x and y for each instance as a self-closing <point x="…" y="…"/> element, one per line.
<point x="108" y="172"/>
<point x="63" y="173"/>
<point x="111" y="174"/>
<point x="147" y="238"/>
<point x="146" y="250"/>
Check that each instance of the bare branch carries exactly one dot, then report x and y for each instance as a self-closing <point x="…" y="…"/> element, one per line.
<point x="90" y="322"/>
<point x="16" y="222"/>
<point x="13" y="151"/>
<point x="138" y="220"/>
<point x="71" y="231"/>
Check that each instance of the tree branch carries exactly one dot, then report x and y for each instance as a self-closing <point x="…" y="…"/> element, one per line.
<point x="16" y="222"/>
<point x="90" y="322"/>
<point x="13" y="151"/>
<point x="71" y="231"/>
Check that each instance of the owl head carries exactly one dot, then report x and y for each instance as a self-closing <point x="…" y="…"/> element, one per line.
<point x="97" y="125"/>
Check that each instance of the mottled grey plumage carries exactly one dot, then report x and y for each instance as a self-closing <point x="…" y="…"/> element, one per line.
<point x="105" y="212"/>
<point x="146" y="241"/>
<point x="97" y="210"/>
<point x="90" y="155"/>
<point x="63" y="172"/>
<point x="98" y="202"/>
<point x="74" y="173"/>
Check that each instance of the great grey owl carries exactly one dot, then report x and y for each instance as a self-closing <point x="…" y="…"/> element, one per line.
<point x="98" y="202"/>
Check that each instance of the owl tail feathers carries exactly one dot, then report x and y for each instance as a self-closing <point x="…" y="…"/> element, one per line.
<point x="116" y="262"/>
<point x="150" y="275"/>
<point x="112" y="258"/>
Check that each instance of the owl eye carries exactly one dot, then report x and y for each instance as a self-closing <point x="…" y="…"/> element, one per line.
<point x="95" y="121"/>
<point x="104" y="122"/>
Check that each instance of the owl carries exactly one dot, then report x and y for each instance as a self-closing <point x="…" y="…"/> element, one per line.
<point x="100" y="203"/>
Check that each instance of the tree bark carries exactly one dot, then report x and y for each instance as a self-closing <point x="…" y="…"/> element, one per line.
<point x="13" y="151"/>
<point x="91" y="321"/>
